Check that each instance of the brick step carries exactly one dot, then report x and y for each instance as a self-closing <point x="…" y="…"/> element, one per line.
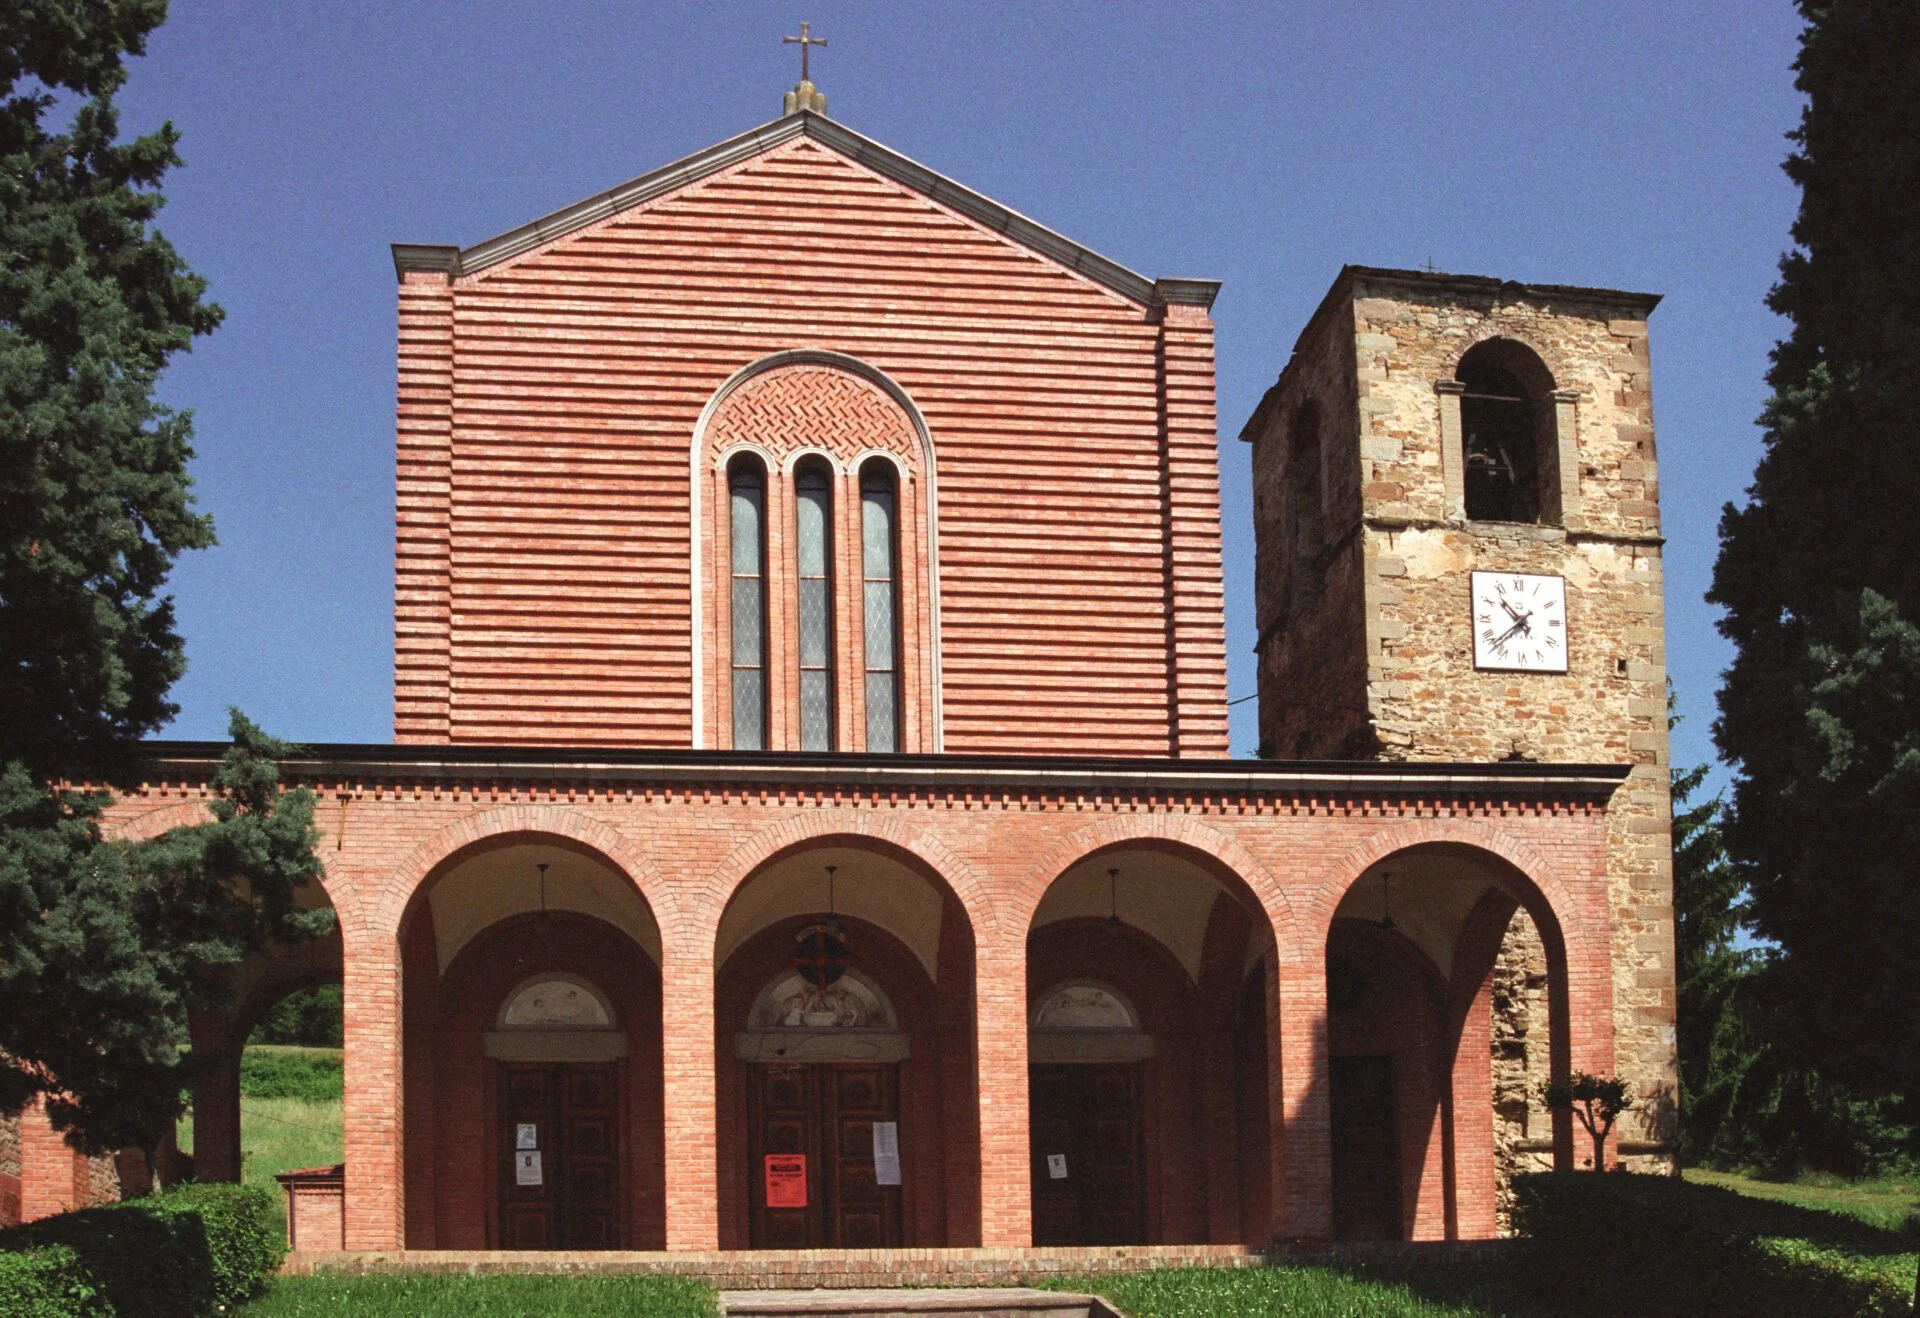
<point x="970" y="1302"/>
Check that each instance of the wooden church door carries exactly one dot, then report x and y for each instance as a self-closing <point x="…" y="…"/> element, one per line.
<point x="1089" y="1168"/>
<point x="811" y="1156"/>
<point x="559" y="1132"/>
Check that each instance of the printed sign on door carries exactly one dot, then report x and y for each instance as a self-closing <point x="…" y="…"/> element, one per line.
<point x="786" y="1180"/>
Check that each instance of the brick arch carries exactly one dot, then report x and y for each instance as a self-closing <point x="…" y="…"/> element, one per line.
<point x="783" y="406"/>
<point x="888" y="830"/>
<point x="553" y="821"/>
<point x="1559" y="905"/>
<point x="1213" y="848"/>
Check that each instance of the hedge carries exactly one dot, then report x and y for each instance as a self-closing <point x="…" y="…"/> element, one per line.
<point x="314" y="1076"/>
<point x="180" y="1254"/>
<point x="1641" y="1244"/>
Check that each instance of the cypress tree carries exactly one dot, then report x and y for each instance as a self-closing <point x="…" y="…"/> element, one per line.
<point x="1820" y="579"/>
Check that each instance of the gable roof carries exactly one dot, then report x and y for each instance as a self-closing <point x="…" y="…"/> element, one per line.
<point x="909" y="174"/>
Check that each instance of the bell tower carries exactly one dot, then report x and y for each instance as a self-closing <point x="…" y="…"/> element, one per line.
<point x="1458" y="528"/>
<point x="1457" y="522"/>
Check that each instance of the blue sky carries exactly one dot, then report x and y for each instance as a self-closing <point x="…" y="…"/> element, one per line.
<point x="1264" y="145"/>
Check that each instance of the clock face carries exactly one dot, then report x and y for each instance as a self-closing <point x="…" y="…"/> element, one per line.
<point x="1519" y="622"/>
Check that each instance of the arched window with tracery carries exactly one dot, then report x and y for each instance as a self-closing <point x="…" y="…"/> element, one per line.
<point x="815" y="539"/>
<point x="747" y="616"/>
<point x="880" y="599"/>
<point x="1509" y="436"/>
<point x="813" y="571"/>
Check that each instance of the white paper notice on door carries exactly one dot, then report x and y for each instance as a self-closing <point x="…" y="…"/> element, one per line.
<point x="526" y="1135"/>
<point x="526" y="1168"/>
<point x="886" y="1153"/>
<point x="1057" y="1166"/>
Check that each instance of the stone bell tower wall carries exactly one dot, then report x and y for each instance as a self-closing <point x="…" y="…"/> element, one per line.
<point x="1393" y="570"/>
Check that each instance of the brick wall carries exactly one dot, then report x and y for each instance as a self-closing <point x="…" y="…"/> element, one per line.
<point x="548" y="403"/>
<point x="688" y="841"/>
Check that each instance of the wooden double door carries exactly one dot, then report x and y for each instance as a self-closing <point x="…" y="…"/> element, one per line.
<point x="1089" y="1162"/>
<point x="811" y="1155"/>
<point x="559" y="1141"/>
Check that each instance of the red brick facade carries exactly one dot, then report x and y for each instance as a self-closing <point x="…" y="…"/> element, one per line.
<point x="571" y="395"/>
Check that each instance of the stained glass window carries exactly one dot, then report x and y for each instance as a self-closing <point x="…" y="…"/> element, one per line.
<point x="813" y="550"/>
<point x="879" y="572"/>
<point x="747" y="486"/>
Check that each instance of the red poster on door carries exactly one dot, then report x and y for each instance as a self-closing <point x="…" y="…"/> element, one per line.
<point x="786" y="1180"/>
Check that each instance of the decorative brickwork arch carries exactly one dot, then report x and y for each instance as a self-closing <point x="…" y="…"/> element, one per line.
<point x="783" y="408"/>
<point x="887" y="832"/>
<point x="554" y="821"/>
<point x="1556" y="904"/>
<point x="1213" y="850"/>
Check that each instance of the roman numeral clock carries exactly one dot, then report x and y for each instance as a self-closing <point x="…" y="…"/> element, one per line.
<point x="1519" y="622"/>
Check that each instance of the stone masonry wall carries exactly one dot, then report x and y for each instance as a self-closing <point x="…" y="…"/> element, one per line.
<point x="1427" y="700"/>
<point x="1311" y="643"/>
<point x="1522" y="1126"/>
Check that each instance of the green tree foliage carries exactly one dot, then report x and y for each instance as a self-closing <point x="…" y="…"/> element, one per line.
<point x="1747" y="1098"/>
<point x="95" y="501"/>
<point x="1820" y="711"/>
<point x="311" y="1017"/>
<point x="104" y="946"/>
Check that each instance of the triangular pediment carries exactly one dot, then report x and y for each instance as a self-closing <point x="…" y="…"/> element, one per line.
<point x="842" y="141"/>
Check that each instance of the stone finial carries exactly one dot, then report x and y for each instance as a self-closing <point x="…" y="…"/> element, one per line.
<point x="805" y="96"/>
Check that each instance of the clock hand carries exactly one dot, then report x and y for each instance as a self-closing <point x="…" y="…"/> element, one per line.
<point x="1512" y="612"/>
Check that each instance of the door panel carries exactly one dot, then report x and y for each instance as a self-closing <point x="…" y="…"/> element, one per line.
<point x="827" y="1113"/>
<point x="574" y="1110"/>
<point x="1091" y="1117"/>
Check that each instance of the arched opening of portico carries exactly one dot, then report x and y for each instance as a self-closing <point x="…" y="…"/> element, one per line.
<point x="213" y="1134"/>
<point x="1151" y="1014"/>
<point x="1433" y="1076"/>
<point x="531" y="1053"/>
<point x="845" y="1068"/>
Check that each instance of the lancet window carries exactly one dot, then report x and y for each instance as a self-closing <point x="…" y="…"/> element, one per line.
<point x="880" y="600"/>
<point x="747" y="557"/>
<point x="813" y="558"/>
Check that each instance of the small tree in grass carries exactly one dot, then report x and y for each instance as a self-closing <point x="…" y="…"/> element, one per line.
<point x="1598" y="1101"/>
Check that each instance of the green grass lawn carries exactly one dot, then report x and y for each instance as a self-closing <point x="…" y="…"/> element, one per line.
<point x="448" y="1297"/>
<point x="1874" y="1222"/>
<point x="1430" y="1291"/>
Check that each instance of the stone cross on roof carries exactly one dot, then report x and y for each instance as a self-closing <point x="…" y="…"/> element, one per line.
<point x="805" y="96"/>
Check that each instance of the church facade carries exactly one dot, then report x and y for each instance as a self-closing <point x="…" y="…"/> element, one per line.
<point x="808" y="822"/>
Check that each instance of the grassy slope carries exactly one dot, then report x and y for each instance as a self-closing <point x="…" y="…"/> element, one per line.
<point x="1876" y="1222"/>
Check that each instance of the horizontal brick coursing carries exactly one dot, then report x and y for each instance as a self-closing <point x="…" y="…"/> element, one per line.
<point x="547" y="404"/>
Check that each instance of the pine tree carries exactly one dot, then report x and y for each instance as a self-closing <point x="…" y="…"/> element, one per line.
<point x="104" y="946"/>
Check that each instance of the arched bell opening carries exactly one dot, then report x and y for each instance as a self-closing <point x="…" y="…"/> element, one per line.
<point x="1433" y="1097"/>
<point x="532" y="1059"/>
<point x="1147" y="1083"/>
<point x="845" y="1068"/>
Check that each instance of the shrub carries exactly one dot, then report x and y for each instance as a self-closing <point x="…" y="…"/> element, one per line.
<point x="48" y="1283"/>
<point x="170" y="1255"/>
<point x="1657" y="1245"/>
<point x="313" y="1076"/>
